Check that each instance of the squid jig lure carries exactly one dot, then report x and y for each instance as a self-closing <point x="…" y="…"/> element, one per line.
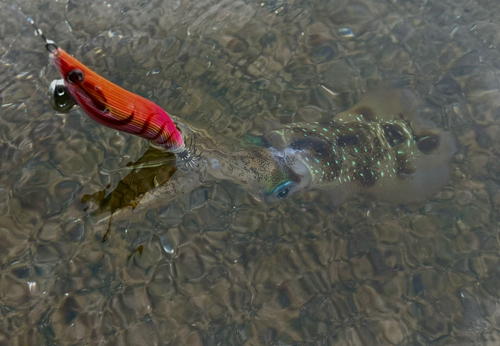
<point x="111" y="105"/>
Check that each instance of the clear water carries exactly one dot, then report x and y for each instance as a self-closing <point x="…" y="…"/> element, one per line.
<point x="216" y="267"/>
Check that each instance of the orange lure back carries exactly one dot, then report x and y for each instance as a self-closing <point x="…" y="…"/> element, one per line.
<point x="115" y="107"/>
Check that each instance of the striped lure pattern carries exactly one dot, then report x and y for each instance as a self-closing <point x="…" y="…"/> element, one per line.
<point x="115" y="107"/>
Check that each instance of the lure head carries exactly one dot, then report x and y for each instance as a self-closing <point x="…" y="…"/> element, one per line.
<point x="76" y="77"/>
<point x="60" y="98"/>
<point x="71" y="70"/>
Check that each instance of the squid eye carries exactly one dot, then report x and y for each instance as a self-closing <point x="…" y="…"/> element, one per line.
<point x="75" y="75"/>
<point x="283" y="193"/>
<point x="283" y="190"/>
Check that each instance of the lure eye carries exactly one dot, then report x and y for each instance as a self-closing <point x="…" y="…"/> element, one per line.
<point x="60" y="98"/>
<point x="75" y="76"/>
<point x="60" y="90"/>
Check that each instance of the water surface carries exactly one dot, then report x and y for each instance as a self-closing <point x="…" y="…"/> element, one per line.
<point x="216" y="267"/>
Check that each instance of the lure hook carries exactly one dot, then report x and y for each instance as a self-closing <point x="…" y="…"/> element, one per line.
<point x="188" y="157"/>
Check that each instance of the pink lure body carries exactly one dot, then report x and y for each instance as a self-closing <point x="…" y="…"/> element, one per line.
<point x="115" y="107"/>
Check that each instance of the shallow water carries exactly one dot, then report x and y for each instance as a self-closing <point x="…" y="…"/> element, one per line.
<point x="216" y="267"/>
